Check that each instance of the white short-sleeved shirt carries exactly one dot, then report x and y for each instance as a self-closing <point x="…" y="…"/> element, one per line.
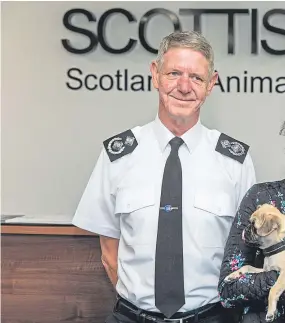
<point x="122" y="200"/>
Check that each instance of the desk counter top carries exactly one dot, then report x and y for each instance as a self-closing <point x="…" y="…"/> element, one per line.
<point x="44" y="229"/>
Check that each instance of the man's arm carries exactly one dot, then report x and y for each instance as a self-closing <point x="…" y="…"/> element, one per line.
<point x="109" y="248"/>
<point x="96" y="213"/>
<point x="96" y="209"/>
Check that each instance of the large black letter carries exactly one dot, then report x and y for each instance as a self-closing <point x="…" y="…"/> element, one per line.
<point x="101" y="31"/>
<point x="93" y="39"/>
<point x="197" y="15"/>
<point x="254" y="32"/>
<point x="275" y="30"/>
<point x="230" y="12"/>
<point x="145" y="20"/>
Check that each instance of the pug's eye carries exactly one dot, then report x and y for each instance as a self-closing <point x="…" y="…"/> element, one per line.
<point x="253" y="228"/>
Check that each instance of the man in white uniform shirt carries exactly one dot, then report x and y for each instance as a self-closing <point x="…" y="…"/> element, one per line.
<point x="163" y="197"/>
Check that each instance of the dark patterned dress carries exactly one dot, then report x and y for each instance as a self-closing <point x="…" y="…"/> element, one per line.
<point x="250" y="291"/>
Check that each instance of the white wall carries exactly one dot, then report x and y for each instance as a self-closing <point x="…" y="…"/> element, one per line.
<point x="51" y="135"/>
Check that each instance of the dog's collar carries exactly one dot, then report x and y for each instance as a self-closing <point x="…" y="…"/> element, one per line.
<point x="276" y="248"/>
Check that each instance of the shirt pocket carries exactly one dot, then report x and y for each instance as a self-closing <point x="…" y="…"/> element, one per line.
<point x="215" y="212"/>
<point x="137" y="212"/>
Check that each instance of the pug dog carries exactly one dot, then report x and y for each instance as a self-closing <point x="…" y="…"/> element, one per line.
<point x="267" y="232"/>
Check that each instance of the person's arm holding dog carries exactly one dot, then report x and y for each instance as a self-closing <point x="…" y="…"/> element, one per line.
<point x="249" y="287"/>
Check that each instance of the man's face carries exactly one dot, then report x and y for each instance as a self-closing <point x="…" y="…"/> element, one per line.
<point x="183" y="83"/>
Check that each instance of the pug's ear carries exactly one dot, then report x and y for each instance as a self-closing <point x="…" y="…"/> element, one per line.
<point x="269" y="225"/>
<point x="258" y="218"/>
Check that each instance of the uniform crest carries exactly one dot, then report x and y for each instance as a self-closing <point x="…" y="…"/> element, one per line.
<point x="120" y="145"/>
<point x="232" y="148"/>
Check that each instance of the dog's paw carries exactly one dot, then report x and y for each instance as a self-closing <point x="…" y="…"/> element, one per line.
<point x="232" y="277"/>
<point x="269" y="317"/>
<point x="228" y="279"/>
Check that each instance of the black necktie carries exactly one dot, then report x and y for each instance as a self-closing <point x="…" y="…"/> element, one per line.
<point x="169" y="279"/>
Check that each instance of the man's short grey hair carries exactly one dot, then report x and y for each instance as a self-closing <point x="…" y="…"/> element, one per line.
<point x="187" y="39"/>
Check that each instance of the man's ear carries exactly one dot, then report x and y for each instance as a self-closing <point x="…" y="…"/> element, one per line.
<point x="154" y="74"/>
<point x="212" y="82"/>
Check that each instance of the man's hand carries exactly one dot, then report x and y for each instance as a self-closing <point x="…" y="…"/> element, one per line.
<point x="109" y="248"/>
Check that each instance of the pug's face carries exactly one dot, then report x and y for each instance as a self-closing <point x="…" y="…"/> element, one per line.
<point x="266" y="226"/>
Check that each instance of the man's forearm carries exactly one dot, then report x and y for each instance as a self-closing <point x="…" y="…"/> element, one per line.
<point x="109" y="258"/>
<point x="111" y="272"/>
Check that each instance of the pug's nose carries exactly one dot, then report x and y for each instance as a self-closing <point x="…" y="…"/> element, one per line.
<point x="242" y="235"/>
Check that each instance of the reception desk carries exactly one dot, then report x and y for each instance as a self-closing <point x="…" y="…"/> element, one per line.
<point x="52" y="274"/>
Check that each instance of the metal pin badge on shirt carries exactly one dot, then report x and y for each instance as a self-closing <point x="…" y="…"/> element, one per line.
<point x="234" y="147"/>
<point x="168" y="208"/>
<point x="116" y="145"/>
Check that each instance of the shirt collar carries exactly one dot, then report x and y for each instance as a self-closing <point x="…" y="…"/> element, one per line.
<point x="190" y="137"/>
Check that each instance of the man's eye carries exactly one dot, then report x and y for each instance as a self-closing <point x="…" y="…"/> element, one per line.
<point x="174" y="73"/>
<point x="196" y="78"/>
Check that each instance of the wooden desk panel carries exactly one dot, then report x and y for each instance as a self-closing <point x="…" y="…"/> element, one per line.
<point x="44" y="229"/>
<point x="50" y="279"/>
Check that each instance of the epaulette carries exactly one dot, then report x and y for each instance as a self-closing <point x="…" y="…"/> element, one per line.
<point x="120" y="145"/>
<point x="232" y="148"/>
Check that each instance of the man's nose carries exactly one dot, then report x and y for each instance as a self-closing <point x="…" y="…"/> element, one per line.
<point x="184" y="85"/>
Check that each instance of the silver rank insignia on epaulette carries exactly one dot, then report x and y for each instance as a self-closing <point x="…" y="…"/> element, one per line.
<point x="232" y="148"/>
<point x="120" y="145"/>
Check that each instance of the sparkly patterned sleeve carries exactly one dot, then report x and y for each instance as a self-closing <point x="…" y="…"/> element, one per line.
<point x="251" y="286"/>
